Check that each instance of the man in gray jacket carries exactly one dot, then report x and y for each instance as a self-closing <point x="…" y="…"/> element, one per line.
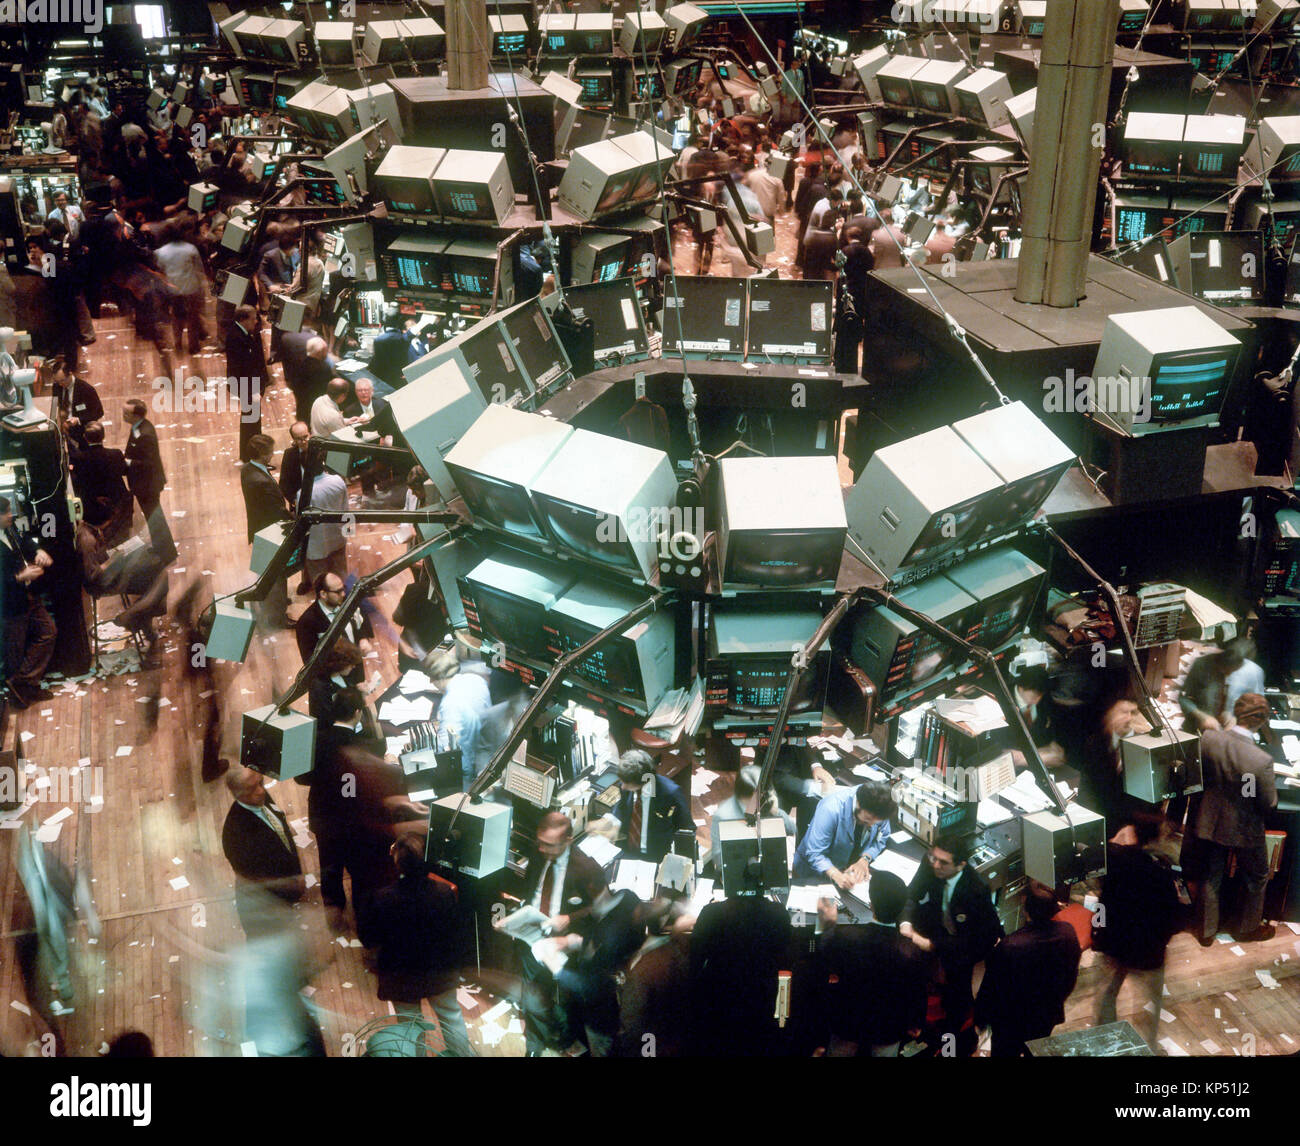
<point x="1229" y="820"/>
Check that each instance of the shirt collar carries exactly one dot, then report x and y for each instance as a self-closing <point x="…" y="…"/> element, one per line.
<point x="1237" y="728"/>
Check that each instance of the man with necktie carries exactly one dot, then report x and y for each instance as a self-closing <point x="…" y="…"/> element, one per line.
<point x="848" y="830"/>
<point x="259" y="846"/>
<point x="29" y="631"/>
<point x="950" y="914"/>
<point x="650" y="809"/>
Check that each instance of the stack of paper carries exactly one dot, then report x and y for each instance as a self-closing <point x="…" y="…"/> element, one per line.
<point x="804" y="897"/>
<point x="894" y="861"/>
<point x="636" y="876"/>
<point x="406" y="710"/>
<point x="600" y="849"/>
<point x="414" y="681"/>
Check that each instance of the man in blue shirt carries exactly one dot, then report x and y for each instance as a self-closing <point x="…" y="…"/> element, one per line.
<point x="849" y="828"/>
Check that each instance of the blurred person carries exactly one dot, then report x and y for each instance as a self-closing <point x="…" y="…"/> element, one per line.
<point x="950" y="914"/>
<point x="144" y="468"/>
<point x="1101" y="784"/>
<point x="463" y="700"/>
<point x="137" y="572"/>
<point x="587" y="981"/>
<point x="1137" y="917"/>
<point x="1028" y="977"/>
<point x="849" y="829"/>
<point x="743" y="802"/>
<point x="851" y="305"/>
<point x="888" y="242"/>
<point x="180" y="261"/>
<point x="341" y="666"/>
<point x="767" y="188"/>
<point x="246" y="374"/>
<point x="1226" y="826"/>
<point x="309" y="281"/>
<point x="421" y="620"/>
<point x="655" y="1001"/>
<point x="392" y="350"/>
<point x="875" y="979"/>
<point x="327" y="543"/>
<point x="1204" y="695"/>
<point x="258" y="844"/>
<point x="29" y="631"/>
<point x="130" y="1044"/>
<point x="264" y="505"/>
<point x="1248" y="678"/>
<point x="820" y="246"/>
<point x="415" y="923"/>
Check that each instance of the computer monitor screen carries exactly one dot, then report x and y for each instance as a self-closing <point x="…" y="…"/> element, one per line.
<point x="553" y="743"/>
<point x="686" y="76"/>
<point x="508" y="618"/>
<point x="784" y="557"/>
<point x="406" y="195"/>
<point x="587" y="532"/>
<point x="465" y="201"/>
<point x="1189" y="386"/>
<point x="540" y="352"/>
<point x="790" y="316"/>
<point x="1226" y="266"/>
<point x="597" y="87"/>
<point x="895" y="91"/>
<point x="1137" y="221"/>
<point x="504" y="504"/>
<point x="470" y="275"/>
<point x="256" y="91"/>
<point x="756" y="685"/>
<point x="613" y="668"/>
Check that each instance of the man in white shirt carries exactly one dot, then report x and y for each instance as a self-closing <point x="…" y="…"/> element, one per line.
<point x="69" y="214"/>
<point x="327" y="410"/>
<point x="327" y="544"/>
<point x="179" y="260"/>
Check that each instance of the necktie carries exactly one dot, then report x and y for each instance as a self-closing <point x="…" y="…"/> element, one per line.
<point x="278" y="827"/>
<point x="548" y="888"/>
<point x="948" y="924"/>
<point x="859" y="841"/>
<point x="634" y="824"/>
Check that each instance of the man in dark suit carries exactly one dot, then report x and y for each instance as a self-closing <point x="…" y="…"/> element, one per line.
<point x="75" y="401"/>
<point x="28" y="631"/>
<point x="1228" y="820"/>
<point x="563" y="884"/>
<point x="264" y="505"/>
<point x="99" y="479"/>
<point x="1028" y="977"/>
<point x="876" y="979"/>
<point x="292" y="462"/>
<point x="293" y="358"/>
<point x="144" y="468"/>
<point x="246" y="374"/>
<point x="259" y="846"/>
<point x="316" y="618"/>
<point x="373" y="415"/>
<point x="391" y="352"/>
<point x="650" y="809"/>
<point x="950" y="914"/>
<point x="415" y="923"/>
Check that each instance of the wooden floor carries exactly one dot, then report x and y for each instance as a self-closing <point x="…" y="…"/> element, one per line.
<point x="166" y="960"/>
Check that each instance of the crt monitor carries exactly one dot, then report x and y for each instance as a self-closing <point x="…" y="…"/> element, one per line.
<point x="537" y="347"/>
<point x="615" y="313"/>
<point x="1138" y="217"/>
<point x="598" y="258"/>
<point x="711" y="314"/>
<point x="1222" y="267"/>
<point x="597" y="87"/>
<point x="1213" y="144"/>
<point x="1150" y="258"/>
<point x="496" y="462"/>
<point x="750" y="654"/>
<point x="1162" y="370"/>
<point x="506" y="599"/>
<point x="637" y="664"/>
<point x="1006" y="586"/>
<point x="1152" y="142"/>
<point x="471" y="265"/>
<point x="790" y="317"/>
<point x="415" y="263"/>
<point x="405" y="179"/>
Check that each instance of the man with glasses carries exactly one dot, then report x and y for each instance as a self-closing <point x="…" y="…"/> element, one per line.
<point x="950" y="914"/>
<point x="318" y="616"/>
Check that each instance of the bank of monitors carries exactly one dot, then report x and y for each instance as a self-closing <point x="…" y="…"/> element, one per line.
<point x="636" y="665"/>
<point x="398" y="41"/>
<point x="335" y="42"/>
<point x="497" y="460"/>
<point x="1164" y="369"/>
<point x="898" y="656"/>
<point x="789" y="317"/>
<point x="782" y="522"/>
<point x="1222" y="267"/>
<point x="750" y="660"/>
<point x="918" y="500"/>
<point x="416" y="264"/>
<point x="711" y="313"/>
<point x="934" y="87"/>
<point x="1006" y="586"/>
<point x="894" y="80"/>
<point x="654" y="157"/>
<point x="982" y="96"/>
<point x="507" y="597"/>
<point x="248" y="35"/>
<point x="300" y="107"/>
<point x="603" y="498"/>
<point x="405" y="179"/>
<point x="615" y="313"/>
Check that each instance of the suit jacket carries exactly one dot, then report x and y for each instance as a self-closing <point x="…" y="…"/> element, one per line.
<point x="99" y="477"/>
<point x="1141" y="908"/>
<point x="80" y="400"/>
<point x="1226" y="816"/>
<point x="974" y="919"/>
<point x="880" y="992"/>
<point x="1027" y="979"/>
<point x="14" y="599"/>
<point x="584" y="880"/>
<point x="667" y="810"/>
<point x="382" y="421"/>
<point x="291" y="477"/>
<point x="293" y="355"/>
<point x="414" y="924"/>
<point x="245" y="358"/>
<point x="392" y="351"/>
<point x="312" y="624"/>
<point x="144" y="463"/>
<point x="276" y="268"/>
<point x="257" y="854"/>
<point x="263" y="500"/>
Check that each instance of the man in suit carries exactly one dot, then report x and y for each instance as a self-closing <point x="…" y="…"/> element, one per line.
<point x="293" y="359"/>
<point x="1229" y="820"/>
<point x="563" y="884"/>
<point x="259" y="846"/>
<point x="876" y="980"/>
<point x="318" y="616"/>
<point x="372" y="414"/>
<point x="415" y="924"/>
<point x="950" y="915"/>
<point x="264" y="505"/>
<point x="99" y="479"/>
<point x="144" y="468"/>
<point x="1028" y="977"/>
<point x="246" y="372"/>
<point x="392" y="351"/>
<point x="650" y="809"/>
<point x="29" y="632"/>
<point x="296" y="491"/>
<point x="849" y="829"/>
<point x="74" y="400"/>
